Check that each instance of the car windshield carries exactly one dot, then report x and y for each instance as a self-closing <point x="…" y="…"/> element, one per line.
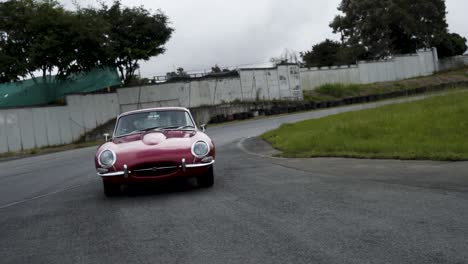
<point x="173" y="119"/>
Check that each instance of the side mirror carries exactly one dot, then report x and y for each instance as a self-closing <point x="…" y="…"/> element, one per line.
<point x="203" y="127"/>
<point x="107" y="136"/>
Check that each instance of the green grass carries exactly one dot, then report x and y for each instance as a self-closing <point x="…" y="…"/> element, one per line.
<point x="431" y="129"/>
<point x="339" y="91"/>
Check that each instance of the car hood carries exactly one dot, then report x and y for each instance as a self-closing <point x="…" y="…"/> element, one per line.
<point x="154" y="147"/>
<point x="155" y="140"/>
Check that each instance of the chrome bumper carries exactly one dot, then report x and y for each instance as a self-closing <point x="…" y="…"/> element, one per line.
<point x="184" y="166"/>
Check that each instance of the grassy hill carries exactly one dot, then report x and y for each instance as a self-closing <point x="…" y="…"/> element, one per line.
<point x="435" y="129"/>
<point x="339" y="91"/>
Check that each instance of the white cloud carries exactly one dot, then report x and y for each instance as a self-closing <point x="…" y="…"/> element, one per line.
<point x="240" y="32"/>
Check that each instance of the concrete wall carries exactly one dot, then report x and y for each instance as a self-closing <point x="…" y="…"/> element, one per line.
<point x="279" y="83"/>
<point x="315" y="77"/>
<point x="398" y="68"/>
<point x="166" y="94"/>
<point x="454" y="62"/>
<point x="28" y="128"/>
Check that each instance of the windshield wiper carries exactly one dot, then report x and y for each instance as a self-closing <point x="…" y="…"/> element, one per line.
<point x="151" y="129"/>
<point x="185" y="127"/>
<point x="162" y="129"/>
<point x="179" y="127"/>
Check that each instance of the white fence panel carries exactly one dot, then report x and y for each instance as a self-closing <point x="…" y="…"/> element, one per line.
<point x="27" y="128"/>
<point x="40" y="127"/>
<point x="65" y="126"/>
<point x="89" y="113"/>
<point x="128" y="96"/>
<point x="247" y="81"/>
<point x="76" y="115"/>
<point x="202" y="92"/>
<point x="228" y="90"/>
<point x="112" y="105"/>
<point x="364" y="72"/>
<point x="129" y="107"/>
<point x="283" y="76"/>
<point x="184" y="94"/>
<point x="294" y="77"/>
<point x="100" y="108"/>
<point x="260" y="90"/>
<point x="160" y="92"/>
<point x="397" y="68"/>
<point x="314" y="77"/>
<point x="3" y="132"/>
<point x="13" y="131"/>
<point x="52" y="124"/>
<point x="273" y="84"/>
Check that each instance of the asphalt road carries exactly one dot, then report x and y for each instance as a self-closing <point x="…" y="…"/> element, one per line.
<point x="261" y="210"/>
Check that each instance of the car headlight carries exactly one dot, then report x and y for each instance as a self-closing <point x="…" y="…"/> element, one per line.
<point x="107" y="158"/>
<point x="200" y="149"/>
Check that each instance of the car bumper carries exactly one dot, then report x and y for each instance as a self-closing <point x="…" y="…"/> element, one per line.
<point x="183" y="168"/>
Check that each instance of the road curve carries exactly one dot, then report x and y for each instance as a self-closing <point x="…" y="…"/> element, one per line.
<point x="260" y="211"/>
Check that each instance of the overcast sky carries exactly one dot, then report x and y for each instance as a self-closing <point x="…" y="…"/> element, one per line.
<point x="231" y="33"/>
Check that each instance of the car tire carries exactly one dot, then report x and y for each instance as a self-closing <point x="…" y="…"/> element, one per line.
<point x="206" y="180"/>
<point x="110" y="189"/>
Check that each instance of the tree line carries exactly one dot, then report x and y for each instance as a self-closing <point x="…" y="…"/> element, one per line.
<point x="41" y="36"/>
<point x="378" y="29"/>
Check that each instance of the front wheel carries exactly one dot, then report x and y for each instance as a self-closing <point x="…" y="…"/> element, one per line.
<point x="206" y="180"/>
<point x="110" y="189"/>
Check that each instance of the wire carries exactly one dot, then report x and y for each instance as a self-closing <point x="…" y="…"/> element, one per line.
<point x="207" y="69"/>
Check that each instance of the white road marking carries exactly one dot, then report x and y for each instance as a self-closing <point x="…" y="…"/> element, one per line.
<point x="40" y="196"/>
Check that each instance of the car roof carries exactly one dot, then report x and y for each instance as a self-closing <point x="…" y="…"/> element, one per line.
<point x="155" y="109"/>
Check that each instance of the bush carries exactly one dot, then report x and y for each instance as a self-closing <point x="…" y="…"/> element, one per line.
<point x="339" y="90"/>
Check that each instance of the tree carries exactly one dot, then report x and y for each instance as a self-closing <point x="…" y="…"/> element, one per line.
<point x="330" y="52"/>
<point x="288" y="56"/>
<point x="451" y="44"/>
<point x="14" y="39"/>
<point x="135" y="34"/>
<point x="40" y="35"/>
<point x="387" y="27"/>
<point x="180" y="73"/>
<point x="215" y="69"/>
<point x="51" y="30"/>
<point x="10" y="64"/>
<point x="350" y="54"/>
<point x="322" y="54"/>
<point x="43" y="36"/>
<point x="91" y="42"/>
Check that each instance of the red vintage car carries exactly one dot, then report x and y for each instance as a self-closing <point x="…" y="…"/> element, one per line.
<point x="157" y="144"/>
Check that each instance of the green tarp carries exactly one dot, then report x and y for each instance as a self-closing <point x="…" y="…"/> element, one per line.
<point x="38" y="92"/>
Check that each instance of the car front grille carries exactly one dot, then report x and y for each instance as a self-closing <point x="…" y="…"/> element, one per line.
<point x="155" y="169"/>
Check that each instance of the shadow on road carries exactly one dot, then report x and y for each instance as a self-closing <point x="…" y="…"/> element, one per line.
<point x="159" y="189"/>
